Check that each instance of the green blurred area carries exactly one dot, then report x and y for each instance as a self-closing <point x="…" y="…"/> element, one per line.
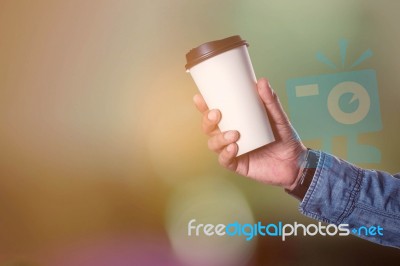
<point x="98" y="130"/>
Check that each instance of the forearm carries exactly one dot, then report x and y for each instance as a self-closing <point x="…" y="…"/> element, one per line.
<point x="342" y="193"/>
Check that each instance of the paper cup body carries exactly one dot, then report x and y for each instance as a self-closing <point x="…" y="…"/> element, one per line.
<point x="227" y="82"/>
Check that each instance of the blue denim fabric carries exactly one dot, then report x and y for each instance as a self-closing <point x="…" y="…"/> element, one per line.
<point x="342" y="193"/>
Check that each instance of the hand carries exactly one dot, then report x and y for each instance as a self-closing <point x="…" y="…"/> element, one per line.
<point x="277" y="163"/>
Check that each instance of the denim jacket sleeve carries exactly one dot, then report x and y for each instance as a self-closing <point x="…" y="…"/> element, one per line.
<point x="341" y="193"/>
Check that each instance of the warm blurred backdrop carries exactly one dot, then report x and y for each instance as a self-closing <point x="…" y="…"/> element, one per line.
<point x="102" y="158"/>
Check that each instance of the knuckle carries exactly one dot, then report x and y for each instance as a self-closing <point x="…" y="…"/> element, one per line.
<point x="222" y="159"/>
<point x="206" y="125"/>
<point x="215" y="143"/>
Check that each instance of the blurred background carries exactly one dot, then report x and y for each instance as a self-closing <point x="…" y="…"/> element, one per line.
<point x="102" y="159"/>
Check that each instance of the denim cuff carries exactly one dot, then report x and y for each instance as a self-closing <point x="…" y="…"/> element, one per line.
<point x="333" y="191"/>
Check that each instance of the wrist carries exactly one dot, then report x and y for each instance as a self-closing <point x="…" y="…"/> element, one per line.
<point x="306" y="174"/>
<point x="299" y="166"/>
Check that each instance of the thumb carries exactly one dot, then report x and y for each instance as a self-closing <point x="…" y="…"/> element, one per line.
<point x="271" y="102"/>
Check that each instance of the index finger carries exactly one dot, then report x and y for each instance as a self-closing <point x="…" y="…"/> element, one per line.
<point x="200" y="103"/>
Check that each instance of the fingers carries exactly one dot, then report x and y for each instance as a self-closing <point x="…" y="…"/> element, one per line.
<point x="271" y="102"/>
<point x="200" y="103"/>
<point x="211" y="118"/>
<point x="210" y="122"/>
<point x="219" y="141"/>
<point x="227" y="157"/>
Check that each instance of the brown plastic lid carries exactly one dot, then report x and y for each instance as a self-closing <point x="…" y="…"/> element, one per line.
<point x="210" y="49"/>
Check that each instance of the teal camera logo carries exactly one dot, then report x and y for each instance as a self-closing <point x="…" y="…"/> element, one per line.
<point x="338" y="104"/>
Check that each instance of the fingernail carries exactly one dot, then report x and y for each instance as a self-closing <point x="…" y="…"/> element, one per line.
<point x="230" y="148"/>
<point x="212" y="115"/>
<point x="230" y="135"/>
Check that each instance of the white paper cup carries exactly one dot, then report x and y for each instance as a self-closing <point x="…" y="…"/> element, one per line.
<point x="224" y="75"/>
